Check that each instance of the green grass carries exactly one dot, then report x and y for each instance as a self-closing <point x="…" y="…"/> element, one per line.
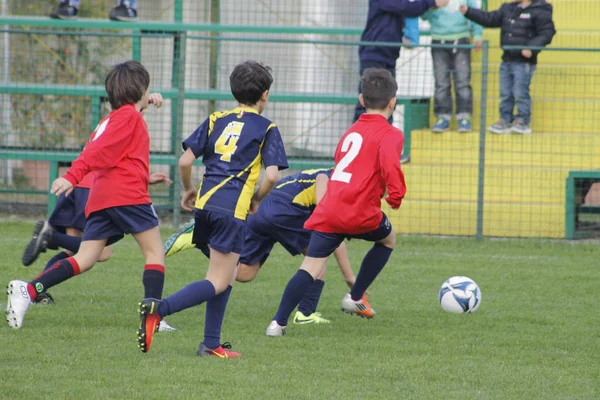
<point x="535" y="335"/>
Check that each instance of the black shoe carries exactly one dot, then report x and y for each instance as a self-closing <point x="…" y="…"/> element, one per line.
<point x="64" y="11"/>
<point x="149" y="323"/>
<point x="42" y="235"/>
<point x="123" y="12"/>
<point x="44" y="298"/>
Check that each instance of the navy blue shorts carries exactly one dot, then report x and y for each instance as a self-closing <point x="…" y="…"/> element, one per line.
<point x="220" y="231"/>
<point x="275" y="222"/>
<point x="115" y="222"/>
<point x="323" y="244"/>
<point x="70" y="210"/>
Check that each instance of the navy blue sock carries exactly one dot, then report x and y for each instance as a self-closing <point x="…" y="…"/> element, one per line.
<point x="371" y="266"/>
<point x="59" y="256"/>
<point x="213" y="319"/>
<point x="59" y="272"/>
<point x="65" y="241"/>
<point x="310" y="301"/>
<point x="193" y="294"/>
<point x="293" y="293"/>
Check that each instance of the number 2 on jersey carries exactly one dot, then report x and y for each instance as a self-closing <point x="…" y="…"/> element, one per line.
<point x="351" y="146"/>
<point x="226" y="143"/>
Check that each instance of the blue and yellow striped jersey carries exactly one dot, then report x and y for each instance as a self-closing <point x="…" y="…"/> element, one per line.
<point x="233" y="144"/>
<point x="301" y="187"/>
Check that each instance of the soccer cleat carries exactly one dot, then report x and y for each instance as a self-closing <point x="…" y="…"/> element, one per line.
<point x="64" y="11"/>
<point x="441" y="125"/>
<point x="274" y="329"/>
<point x="500" y="128"/>
<point x="180" y="241"/>
<point x="149" y="323"/>
<point x="164" y="327"/>
<point x="123" y="12"/>
<point x="360" y="307"/>
<point x="314" y="318"/>
<point x="221" y="352"/>
<point x="43" y="298"/>
<point x="18" y="303"/>
<point x="42" y="234"/>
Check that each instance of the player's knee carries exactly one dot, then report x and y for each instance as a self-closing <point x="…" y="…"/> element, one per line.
<point x="246" y="273"/>
<point x="105" y="255"/>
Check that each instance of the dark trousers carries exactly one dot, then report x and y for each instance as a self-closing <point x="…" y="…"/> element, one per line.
<point x="359" y="109"/>
<point x="452" y="66"/>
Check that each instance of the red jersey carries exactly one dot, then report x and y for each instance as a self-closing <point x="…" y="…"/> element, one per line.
<point x="367" y="160"/>
<point x="87" y="181"/>
<point x="119" y="150"/>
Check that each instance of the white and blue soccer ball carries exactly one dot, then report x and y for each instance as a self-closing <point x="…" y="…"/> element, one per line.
<point x="460" y="294"/>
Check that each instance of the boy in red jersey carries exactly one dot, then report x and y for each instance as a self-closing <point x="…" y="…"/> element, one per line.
<point x="119" y="202"/>
<point x="367" y="161"/>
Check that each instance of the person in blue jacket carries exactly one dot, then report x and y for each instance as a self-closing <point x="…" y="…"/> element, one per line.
<point x="451" y="65"/>
<point x="385" y="23"/>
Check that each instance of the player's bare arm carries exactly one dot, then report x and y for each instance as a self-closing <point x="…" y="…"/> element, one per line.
<point x="185" y="171"/>
<point x="272" y="175"/>
<point x="160" y="177"/>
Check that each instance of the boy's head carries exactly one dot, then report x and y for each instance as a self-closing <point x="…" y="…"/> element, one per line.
<point x="250" y="83"/>
<point x="378" y="90"/>
<point x="127" y="83"/>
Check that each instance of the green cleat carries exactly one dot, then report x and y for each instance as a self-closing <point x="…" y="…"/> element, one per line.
<point x="314" y="318"/>
<point x="181" y="240"/>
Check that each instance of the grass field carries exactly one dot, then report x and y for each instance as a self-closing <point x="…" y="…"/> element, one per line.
<point x="535" y="336"/>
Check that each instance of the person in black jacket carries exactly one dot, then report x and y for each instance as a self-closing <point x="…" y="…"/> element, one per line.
<point x="526" y="23"/>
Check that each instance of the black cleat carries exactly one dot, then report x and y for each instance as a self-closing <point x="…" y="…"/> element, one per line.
<point x="42" y="235"/>
<point x="64" y="11"/>
<point x="123" y="12"/>
<point x="44" y="298"/>
<point x="149" y="323"/>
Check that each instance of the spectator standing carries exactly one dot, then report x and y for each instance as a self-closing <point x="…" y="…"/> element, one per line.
<point x="452" y="65"/>
<point x="526" y="23"/>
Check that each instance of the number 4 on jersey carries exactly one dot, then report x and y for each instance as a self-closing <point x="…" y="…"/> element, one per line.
<point x="351" y="146"/>
<point x="226" y="143"/>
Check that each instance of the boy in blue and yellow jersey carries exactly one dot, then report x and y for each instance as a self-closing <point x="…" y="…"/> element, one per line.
<point x="280" y="219"/>
<point x="233" y="145"/>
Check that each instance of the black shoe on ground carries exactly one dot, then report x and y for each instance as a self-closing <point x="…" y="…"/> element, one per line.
<point x="123" y="12"/>
<point x="44" y="298"/>
<point x="64" y="11"/>
<point x="42" y="235"/>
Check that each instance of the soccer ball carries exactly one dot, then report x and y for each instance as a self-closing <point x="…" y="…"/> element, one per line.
<point x="460" y="294"/>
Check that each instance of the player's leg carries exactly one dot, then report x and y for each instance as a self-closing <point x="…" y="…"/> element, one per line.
<point x="372" y="264"/>
<point x="21" y="294"/>
<point x="320" y="247"/>
<point x="307" y="308"/>
<point x="258" y="245"/>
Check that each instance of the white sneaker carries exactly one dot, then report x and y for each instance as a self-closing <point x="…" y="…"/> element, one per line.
<point x="274" y="329"/>
<point x="164" y="327"/>
<point x="18" y="303"/>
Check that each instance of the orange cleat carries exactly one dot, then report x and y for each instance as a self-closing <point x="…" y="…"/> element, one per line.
<point x="360" y="307"/>
<point x="221" y="352"/>
<point x="149" y="322"/>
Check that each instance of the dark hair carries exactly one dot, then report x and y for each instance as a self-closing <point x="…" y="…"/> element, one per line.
<point x="126" y="83"/>
<point x="249" y="80"/>
<point x="378" y="87"/>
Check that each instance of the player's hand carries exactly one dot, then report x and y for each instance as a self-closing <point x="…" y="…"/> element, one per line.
<point x="188" y="199"/>
<point x="60" y="186"/>
<point x="527" y="53"/>
<point x="159" y="177"/>
<point x="441" y="3"/>
<point x="156" y="99"/>
<point x="253" y="206"/>
<point x="478" y="45"/>
<point x="392" y="203"/>
<point x="463" y="9"/>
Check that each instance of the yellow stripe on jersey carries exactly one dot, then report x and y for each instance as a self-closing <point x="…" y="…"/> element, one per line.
<point x="220" y="114"/>
<point x="243" y="203"/>
<point x="307" y="197"/>
<point x="201" y="201"/>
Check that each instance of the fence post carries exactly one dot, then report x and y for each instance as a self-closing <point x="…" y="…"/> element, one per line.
<point x="482" y="132"/>
<point x="177" y="114"/>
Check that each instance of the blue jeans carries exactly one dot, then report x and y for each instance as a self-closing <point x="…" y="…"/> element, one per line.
<point x="515" y="79"/>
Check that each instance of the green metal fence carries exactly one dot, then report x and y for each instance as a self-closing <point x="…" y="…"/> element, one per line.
<point x="459" y="184"/>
